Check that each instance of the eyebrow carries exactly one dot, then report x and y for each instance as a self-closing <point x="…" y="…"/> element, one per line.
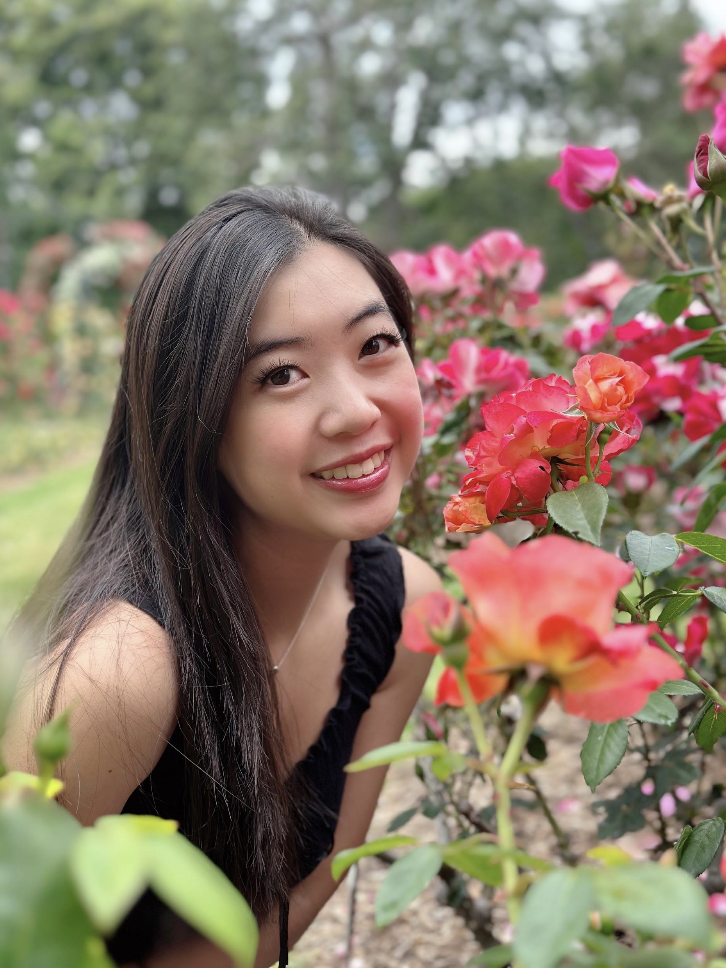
<point x="375" y="308"/>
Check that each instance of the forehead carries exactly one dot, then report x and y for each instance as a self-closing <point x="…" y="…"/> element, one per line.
<point x="325" y="283"/>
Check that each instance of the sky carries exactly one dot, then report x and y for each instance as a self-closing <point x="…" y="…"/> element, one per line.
<point x="713" y="12"/>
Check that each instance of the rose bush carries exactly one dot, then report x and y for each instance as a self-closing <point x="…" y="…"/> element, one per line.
<point x="576" y="577"/>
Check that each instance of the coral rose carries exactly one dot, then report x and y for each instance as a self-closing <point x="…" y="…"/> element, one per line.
<point x="545" y="606"/>
<point x="585" y="175"/>
<point x="606" y="386"/>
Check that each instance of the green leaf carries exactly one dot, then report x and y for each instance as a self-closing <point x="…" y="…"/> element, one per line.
<point x="712" y="348"/>
<point x="671" y="303"/>
<point x="709" y="544"/>
<point x="701" y="846"/>
<point x="670" y="277"/>
<point x="346" y="858"/>
<point x="699" y="714"/>
<point x="603" y="750"/>
<point x="483" y="862"/>
<point x="659" y="709"/>
<point x="712" y="504"/>
<point x="394" y="752"/>
<point x="651" y="555"/>
<point x="580" y="511"/>
<point x="677" y="606"/>
<point x="197" y="890"/>
<point x="697" y="323"/>
<point x="716" y="595"/>
<point x="657" y="595"/>
<point x="683" y="840"/>
<point x="451" y="762"/>
<point x="42" y="921"/>
<point x="555" y="913"/>
<point x="711" y="728"/>
<point x="662" y="901"/>
<point x="404" y="881"/>
<point x="679" y="687"/>
<point x="635" y="301"/>
<point x="497" y="957"/>
<point x="401" y="819"/>
<point x="108" y="867"/>
<point x="657" y="958"/>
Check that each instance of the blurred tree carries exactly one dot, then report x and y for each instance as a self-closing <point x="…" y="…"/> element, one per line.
<point x="399" y="111"/>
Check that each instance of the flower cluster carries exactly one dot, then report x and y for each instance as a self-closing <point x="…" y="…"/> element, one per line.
<point x="495" y="276"/>
<point x="467" y="369"/>
<point x="537" y="438"/>
<point x="545" y="607"/>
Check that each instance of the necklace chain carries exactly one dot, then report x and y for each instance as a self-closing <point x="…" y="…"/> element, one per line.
<point x="307" y="610"/>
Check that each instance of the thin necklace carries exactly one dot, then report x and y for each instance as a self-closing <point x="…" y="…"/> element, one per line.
<point x="307" y="610"/>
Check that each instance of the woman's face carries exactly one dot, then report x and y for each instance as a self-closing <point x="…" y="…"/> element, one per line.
<point x="342" y="392"/>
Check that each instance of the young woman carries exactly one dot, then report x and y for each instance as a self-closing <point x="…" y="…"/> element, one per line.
<point x="227" y="609"/>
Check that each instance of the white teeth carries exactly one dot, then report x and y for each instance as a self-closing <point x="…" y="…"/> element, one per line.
<point x="354" y="470"/>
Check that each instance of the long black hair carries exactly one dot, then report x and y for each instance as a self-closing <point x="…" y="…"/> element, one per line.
<point x="156" y="520"/>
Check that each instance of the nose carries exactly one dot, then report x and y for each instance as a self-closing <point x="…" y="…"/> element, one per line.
<point x="348" y="408"/>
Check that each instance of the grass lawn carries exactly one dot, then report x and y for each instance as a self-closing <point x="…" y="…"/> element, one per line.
<point x="33" y="519"/>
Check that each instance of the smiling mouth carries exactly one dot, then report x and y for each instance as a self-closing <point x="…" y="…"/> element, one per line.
<point x="354" y="471"/>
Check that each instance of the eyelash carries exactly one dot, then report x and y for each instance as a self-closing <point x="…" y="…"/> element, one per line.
<point x="395" y="339"/>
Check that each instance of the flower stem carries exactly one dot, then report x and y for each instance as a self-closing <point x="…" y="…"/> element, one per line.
<point x="706" y="688"/>
<point x="477" y="726"/>
<point x="588" y="462"/>
<point x="532" y="703"/>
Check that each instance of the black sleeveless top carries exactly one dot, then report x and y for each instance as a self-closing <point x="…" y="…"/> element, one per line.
<point x="374" y="627"/>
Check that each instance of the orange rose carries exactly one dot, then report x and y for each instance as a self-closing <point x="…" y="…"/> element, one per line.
<point x="606" y="386"/>
<point x="466" y="512"/>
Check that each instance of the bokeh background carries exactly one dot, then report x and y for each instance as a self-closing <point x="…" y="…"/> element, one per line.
<point x="424" y="122"/>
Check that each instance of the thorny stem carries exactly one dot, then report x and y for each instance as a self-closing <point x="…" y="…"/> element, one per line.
<point x="706" y="688"/>
<point x="532" y="703"/>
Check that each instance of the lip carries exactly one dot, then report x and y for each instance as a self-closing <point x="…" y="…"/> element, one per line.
<point x="354" y="458"/>
<point x="368" y="482"/>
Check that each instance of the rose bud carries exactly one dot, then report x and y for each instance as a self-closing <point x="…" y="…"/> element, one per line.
<point x="709" y="167"/>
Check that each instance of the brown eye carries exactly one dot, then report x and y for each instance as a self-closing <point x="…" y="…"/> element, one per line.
<point x="272" y="378"/>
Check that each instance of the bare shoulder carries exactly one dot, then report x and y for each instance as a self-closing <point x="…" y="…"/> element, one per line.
<point x="120" y="677"/>
<point x="420" y="577"/>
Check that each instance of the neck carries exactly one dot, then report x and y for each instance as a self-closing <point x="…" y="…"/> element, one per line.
<point x="282" y="569"/>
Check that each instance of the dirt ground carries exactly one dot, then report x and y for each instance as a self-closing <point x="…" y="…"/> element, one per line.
<point x="428" y="934"/>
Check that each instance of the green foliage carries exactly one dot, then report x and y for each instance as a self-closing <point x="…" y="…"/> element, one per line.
<point x="346" y="858"/>
<point x="581" y="512"/>
<point x="700" y="846"/>
<point x="659" y="709"/>
<point x="405" y="880"/>
<point x="651" y="555"/>
<point x="555" y="913"/>
<point x="603" y="750"/>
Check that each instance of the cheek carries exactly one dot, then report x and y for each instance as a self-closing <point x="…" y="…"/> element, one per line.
<point x="257" y="453"/>
<point x="407" y="405"/>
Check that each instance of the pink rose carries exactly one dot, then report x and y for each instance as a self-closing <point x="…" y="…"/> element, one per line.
<point x="586" y="173"/>
<point x="603" y="284"/>
<point x="705" y="80"/>
<point x="638" y="194"/>
<point x="718" y="134"/>
<point x="586" y="330"/>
